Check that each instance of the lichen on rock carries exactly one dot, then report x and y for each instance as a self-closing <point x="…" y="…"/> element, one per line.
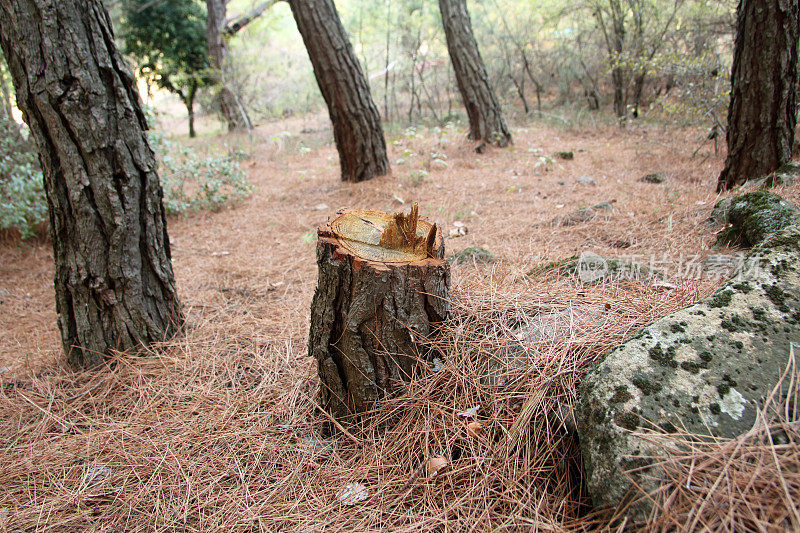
<point x="705" y="368"/>
<point x="753" y="216"/>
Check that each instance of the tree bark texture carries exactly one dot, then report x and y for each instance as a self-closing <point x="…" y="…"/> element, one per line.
<point x="357" y="128"/>
<point x="234" y="114"/>
<point x="762" y="112"/>
<point x="370" y="318"/>
<point x="486" y="122"/>
<point x="113" y="274"/>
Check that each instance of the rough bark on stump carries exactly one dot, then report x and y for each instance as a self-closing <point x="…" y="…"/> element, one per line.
<point x="373" y="307"/>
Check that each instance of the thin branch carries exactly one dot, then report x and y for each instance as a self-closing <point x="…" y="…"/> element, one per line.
<point x="234" y="25"/>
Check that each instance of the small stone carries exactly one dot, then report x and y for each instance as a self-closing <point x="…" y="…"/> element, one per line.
<point x="587" y="180"/>
<point x="352" y="494"/>
<point x="655" y="178"/>
<point x="96" y="475"/>
<point x="458" y="232"/>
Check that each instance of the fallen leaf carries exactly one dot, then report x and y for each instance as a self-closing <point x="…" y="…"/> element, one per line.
<point x="472" y="412"/>
<point x="474" y="429"/>
<point x="435" y="465"/>
<point x="352" y="494"/>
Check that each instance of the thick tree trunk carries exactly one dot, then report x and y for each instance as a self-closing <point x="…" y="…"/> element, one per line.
<point x="762" y="112"/>
<point x="486" y="122"/>
<point x="233" y="113"/>
<point x="357" y="126"/>
<point x="376" y="302"/>
<point x="114" y="283"/>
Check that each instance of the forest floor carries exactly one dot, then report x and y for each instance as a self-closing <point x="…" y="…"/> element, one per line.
<point x="258" y="256"/>
<point x="179" y="434"/>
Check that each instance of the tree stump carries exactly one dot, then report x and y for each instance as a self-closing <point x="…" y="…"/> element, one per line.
<point x="383" y="285"/>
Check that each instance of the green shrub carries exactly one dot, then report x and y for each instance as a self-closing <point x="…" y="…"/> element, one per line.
<point x="22" y="201"/>
<point x="192" y="183"/>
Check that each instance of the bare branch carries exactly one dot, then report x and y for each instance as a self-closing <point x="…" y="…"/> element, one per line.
<point x="232" y="26"/>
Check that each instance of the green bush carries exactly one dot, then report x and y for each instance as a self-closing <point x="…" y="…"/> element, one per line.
<point x="22" y="202"/>
<point x="190" y="182"/>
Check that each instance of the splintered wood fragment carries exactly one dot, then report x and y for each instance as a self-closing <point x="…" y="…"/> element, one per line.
<point x="401" y="234"/>
<point x="382" y="288"/>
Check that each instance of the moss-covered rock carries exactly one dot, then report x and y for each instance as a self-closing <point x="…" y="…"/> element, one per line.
<point x="756" y="215"/>
<point x="706" y="368"/>
<point x="584" y="214"/>
<point x="471" y="255"/>
<point x="654" y="178"/>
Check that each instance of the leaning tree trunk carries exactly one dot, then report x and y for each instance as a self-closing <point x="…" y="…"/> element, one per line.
<point x="486" y="122"/>
<point x="762" y="113"/>
<point x="357" y="127"/>
<point x="233" y="113"/>
<point x="113" y="279"/>
<point x="383" y="285"/>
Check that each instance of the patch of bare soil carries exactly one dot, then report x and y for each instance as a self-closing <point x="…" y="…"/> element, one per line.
<point x="219" y="429"/>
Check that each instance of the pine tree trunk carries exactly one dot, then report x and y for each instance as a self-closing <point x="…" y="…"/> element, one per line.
<point x="486" y="122"/>
<point x="357" y="128"/>
<point x="233" y="113"/>
<point x="373" y="308"/>
<point x="113" y="278"/>
<point x="762" y="112"/>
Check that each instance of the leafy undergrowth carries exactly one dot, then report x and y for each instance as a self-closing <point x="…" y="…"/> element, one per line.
<point x="190" y="182"/>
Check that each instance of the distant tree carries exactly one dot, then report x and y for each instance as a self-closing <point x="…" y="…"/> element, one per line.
<point x="356" y="123"/>
<point x="634" y="32"/>
<point x="168" y="42"/>
<point x="219" y="29"/>
<point x="763" y="108"/>
<point x="486" y="122"/>
<point x="114" y="285"/>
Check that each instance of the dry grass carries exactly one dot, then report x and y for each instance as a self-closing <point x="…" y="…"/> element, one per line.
<point x="214" y="431"/>
<point x="219" y="430"/>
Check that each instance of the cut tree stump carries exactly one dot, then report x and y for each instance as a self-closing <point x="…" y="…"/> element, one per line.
<point x="383" y="285"/>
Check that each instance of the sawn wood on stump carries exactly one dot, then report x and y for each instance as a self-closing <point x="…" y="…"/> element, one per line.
<point x="383" y="285"/>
